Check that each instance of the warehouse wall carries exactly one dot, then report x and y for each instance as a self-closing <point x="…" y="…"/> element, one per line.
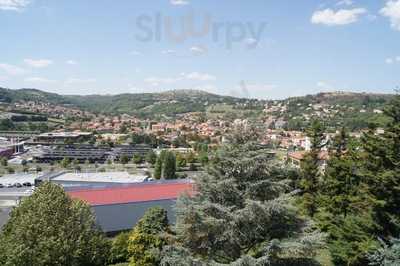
<point x="120" y="217"/>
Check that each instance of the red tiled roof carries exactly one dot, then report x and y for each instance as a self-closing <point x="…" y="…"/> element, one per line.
<point x="138" y="193"/>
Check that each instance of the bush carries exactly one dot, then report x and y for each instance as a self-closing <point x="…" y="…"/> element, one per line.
<point x="119" y="249"/>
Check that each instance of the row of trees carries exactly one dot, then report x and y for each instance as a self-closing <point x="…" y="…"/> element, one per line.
<point x="356" y="200"/>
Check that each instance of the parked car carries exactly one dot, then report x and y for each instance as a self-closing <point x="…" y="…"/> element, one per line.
<point x="1" y="185"/>
<point x="27" y="184"/>
<point x="17" y="185"/>
<point x="9" y="185"/>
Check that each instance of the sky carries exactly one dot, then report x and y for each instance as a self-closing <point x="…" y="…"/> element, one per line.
<point x="269" y="49"/>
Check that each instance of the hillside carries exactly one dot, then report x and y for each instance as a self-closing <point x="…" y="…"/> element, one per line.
<point x="167" y="103"/>
<point x="352" y="110"/>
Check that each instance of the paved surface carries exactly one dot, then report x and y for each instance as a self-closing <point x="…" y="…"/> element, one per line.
<point x="111" y="177"/>
<point x="4" y="216"/>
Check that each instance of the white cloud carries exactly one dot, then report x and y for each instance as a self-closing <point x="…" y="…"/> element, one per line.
<point x="79" y="81"/>
<point x="39" y="63"/>
<point x="389" y="61"/>
<point x="199" y="76"/>
<point x="251" y="43"/>
<point x="14" y="5"/>
<point x="334" y="18"/>
<point x="392" y="11"/>
<point x="198" y="50"/>
<point x="168" y="52"/>
<point x="71" y="62"/>
<point x="193" y="76"/>
<point x="179" y="2"/>
<point x="135" y="53"/>
<point x="12" y="70"/>
<point x="324" y="85"/>
<point x="345" y="3"/>
<point x="39" y="80"/>
<point x="393" y="60"/>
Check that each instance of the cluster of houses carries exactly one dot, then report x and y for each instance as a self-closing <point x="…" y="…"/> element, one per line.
<point x="55" y="111"/>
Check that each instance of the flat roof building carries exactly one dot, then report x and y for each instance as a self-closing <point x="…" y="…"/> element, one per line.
<point x="120" y="208"/>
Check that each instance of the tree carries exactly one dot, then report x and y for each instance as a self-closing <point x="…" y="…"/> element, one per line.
<point x="180" y="161"/>
<point x="137" y="159"/>
<point x="158" y="169"/>
<point x="78" y="168"/>
<point x="124" y="159"/>
<point x="341" y="185"/>
<point x="169" y="166"/>
<point x="49" y="228"/>
<point x="203" y="158"/>
<point x="387" y="254"/>
<point x="191" y="157"/>
<point x="240" y="212"/>
<point x="381" y="170"/>
<point x="344" y="207"/>
<point x="39" y="169"/>
<point x="119" y="248"/>
<point x="10" y="170"/>
<point x="3" y="161"/>
<point x="310" y="168"/>
<point x="151" y="157"/>
<point x="65" y="162"/>
<point x="146" y="238"/>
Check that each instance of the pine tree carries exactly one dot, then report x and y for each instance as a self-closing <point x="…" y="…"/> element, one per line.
<point x="169" y="166"/>
<point x="158" y="169"/>
<point x="311" y="169"/>
<point x="381" y="171"/>
<point x="344" y="206"/>
<point x="239" y="207"/>
<point x="341" y="185"/>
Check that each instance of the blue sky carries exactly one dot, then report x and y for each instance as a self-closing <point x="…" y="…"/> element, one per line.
<point x="259" y="48"/>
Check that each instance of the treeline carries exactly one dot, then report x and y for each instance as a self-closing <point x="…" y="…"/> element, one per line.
<point x="9" y="125"/>
<point x="355" y="199"/>
<point x="30" y="118"/>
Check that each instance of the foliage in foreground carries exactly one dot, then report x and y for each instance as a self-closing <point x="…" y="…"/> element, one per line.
<point x="242" y="215"/>
<point x="356" y="201"/>
<point x="49" y="228"/>
<point x="146" y="240"/>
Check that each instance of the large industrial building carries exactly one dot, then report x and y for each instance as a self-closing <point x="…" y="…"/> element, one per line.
<point x="62" y="137"/>
<point x="120" y="208"/>
<point x="91" y="153"/>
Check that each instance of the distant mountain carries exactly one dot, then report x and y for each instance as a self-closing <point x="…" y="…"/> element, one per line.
<point x="336" y="108"/>
<point x="142" y="104"/>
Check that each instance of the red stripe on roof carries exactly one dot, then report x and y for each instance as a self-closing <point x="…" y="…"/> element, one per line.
<point x="148" y="192"/>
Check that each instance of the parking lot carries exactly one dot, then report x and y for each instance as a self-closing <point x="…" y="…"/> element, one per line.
<point x="17" y="181"/>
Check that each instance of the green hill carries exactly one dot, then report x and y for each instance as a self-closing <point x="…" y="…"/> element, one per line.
<point x="142" y="104"/>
